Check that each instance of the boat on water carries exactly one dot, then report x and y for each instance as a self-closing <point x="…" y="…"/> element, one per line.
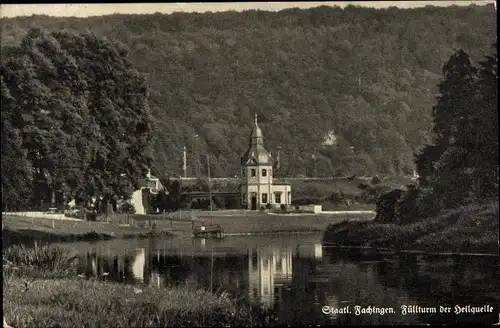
<point x="208" y="231"/>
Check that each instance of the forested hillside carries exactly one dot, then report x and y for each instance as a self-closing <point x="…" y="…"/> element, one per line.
<point x="366" y="76"/>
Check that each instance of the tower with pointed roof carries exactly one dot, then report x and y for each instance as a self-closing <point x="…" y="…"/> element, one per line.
<point x="257" y="187"/>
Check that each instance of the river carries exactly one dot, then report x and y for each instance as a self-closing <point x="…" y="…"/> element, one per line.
<point x="305" y="283"/>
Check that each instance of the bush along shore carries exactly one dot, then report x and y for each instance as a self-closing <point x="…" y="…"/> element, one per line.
<point x="467" y="229"/>
<point x="43" y="289"/>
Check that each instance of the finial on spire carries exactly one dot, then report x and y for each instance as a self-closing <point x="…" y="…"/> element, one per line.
<point x="255" y="118"/>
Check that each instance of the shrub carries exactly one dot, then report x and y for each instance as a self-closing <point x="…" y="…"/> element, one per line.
<point x="127" y="208"/>
<point x="91" y="216"/>
<point x="375" y="180"/>
<point x="305" y="201"/>
<point x="283" y="207"/>
<point x="406" y="210"/>
<point x="232" y="202"/>
<point x="336" y="197"/>
<point x="262" y="208"/>
<point x="363" y="186"/>
<point x="386" y="205"/>
<point x="220" y="202"/>
<point x="427" y="202"/>
<point x="202" y="204"/>
<point x="268" y="206"/>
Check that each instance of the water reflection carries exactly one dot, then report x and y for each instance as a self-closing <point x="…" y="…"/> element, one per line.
<point x="269" y="268"/>
<point x="297" y="277"/>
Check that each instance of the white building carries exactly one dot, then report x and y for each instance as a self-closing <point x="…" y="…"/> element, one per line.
<point x="258" y="188"/>
<point x="150" y="185"/>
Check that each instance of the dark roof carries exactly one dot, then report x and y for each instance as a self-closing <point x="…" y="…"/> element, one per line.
<point x="256" y="154"/>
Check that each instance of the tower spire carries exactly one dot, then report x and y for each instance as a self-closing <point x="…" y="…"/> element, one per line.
<point x="255" y="118"/>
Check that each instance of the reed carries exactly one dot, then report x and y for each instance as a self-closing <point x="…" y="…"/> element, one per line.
<point x="41" y="260"/>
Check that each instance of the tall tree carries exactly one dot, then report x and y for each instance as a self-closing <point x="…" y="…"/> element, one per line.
<point x="484" y="128"/>
<point x="17" y="175"/>
<point x="462" y="164"/>
<point x="81" y="111"/>
<point x="305" y="72"/>
<point x="454" y="104"/>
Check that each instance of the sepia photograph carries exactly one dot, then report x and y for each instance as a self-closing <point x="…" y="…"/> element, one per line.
<point x="249" y="164"/>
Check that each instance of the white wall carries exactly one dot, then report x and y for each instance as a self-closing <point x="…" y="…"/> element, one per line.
<point x="285" y="193"/>
<point x="137" y="202"/>
<point x="258" y="178"/>
<point x="260" y="185"/>
<point x="312" y="208"/>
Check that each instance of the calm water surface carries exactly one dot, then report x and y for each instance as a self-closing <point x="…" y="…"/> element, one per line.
<point x="296" y="277"/>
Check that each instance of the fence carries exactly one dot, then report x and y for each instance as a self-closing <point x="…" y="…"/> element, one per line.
<point x="115" y="222"/>
<point x="29" y="220"/>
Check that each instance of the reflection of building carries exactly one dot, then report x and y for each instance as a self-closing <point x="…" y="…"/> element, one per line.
<point x="267" y="269"/>
<point x="157" y="279"/>
<point x="311" y="251"/>
<point x="138" y="265"/>
<point x="333" y="302"/>
<point x="94" y="265"/>
<point x="258" y="188"/>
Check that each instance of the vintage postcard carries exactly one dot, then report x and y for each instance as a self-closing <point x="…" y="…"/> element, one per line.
<point x="249" y="164"/>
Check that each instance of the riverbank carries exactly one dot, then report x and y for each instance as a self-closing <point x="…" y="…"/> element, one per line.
<point x="469" y="229"/>
<point x="269" y="223"/>
<point x="42" y="289"/>
<point x="89" y="303"/>
<point x="22" y="229"/>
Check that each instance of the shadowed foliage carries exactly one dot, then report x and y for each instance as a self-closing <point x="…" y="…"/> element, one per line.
<point x="366" y="77"/>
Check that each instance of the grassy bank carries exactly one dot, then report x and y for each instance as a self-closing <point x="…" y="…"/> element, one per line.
<point x="471" y="229"/>
<point x="41" y="289"/>
<point x="329" y="206"/>
<point x="243" y="222"/>
<point x="21" y="229"/>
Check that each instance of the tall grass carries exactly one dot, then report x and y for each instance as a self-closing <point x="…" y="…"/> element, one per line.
<point x="39" y="260"/>
<point x="89" y="303"/>
<point x="38" y="292"/>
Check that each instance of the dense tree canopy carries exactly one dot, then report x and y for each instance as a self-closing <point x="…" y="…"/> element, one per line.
<point x="462" y="162"/>
<point x="460" y="166"/>
<point x="75" y="119"/>
<point x="368" y="76"/>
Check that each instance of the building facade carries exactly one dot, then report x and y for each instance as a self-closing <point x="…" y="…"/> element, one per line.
<point x="257" y="168"/>
<point x="149" y="186"/>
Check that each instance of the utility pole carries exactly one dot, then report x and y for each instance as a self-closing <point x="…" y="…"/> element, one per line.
<point x="209" y="187"/>
<point x="315" y="158"/>
<point x="184" y="162"/>
<point x="198" y="173"/>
